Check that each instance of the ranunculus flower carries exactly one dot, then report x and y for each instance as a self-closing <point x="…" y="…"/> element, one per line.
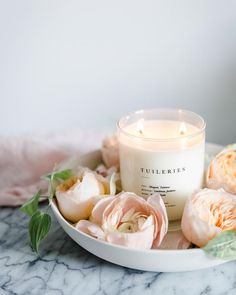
<point x="222" y="170"/>
<point x="110" y="151"/>
<point x="128" y="220"/>
<point x="77" y="196"/>
<point x="206" y="214"/>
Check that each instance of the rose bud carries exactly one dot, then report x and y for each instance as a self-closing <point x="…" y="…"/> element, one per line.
<point x="110" y="151"/>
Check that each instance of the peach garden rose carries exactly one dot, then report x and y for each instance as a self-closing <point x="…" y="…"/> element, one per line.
<point x="128" y="220"/>
<point x="222" y="170"/>
<point x="206" y="214"/>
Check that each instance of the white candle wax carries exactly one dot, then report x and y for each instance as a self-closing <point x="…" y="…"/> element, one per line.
<point x="162" y="156"/>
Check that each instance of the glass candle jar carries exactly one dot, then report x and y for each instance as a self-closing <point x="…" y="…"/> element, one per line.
<point x="162" y="151"/>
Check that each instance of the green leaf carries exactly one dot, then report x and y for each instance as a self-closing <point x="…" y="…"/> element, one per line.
<point x="31" y="206"/>
<point x="55" y="178"/>
<point x="222" y="246"/>
<point x="39" y="227"/>
<point x="60" y="175"/>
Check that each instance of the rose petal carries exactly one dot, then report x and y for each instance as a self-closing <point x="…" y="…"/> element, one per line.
<point x="109" y="183"/>
<point x="112" y="184"/>
<point x="157" y="203"/>
<point x="90" y="229"/>
<point x="138" y="240"/>
<point x="97" y="212"/>
<point x="174" y="240"/>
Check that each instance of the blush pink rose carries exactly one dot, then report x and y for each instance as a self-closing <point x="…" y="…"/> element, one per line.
<point x="128" y="220"/>
<point x="222" y="170"/>
<point x="206" y="214"/>
<point x="110" y="151"/>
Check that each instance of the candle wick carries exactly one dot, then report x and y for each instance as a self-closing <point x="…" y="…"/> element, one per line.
<point x="141" y="131"/>
<point x="183" y="129"/>
<point x="140" y="126"/>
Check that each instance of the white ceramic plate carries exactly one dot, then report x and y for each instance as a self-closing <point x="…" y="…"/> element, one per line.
<point x="149" y="260"/>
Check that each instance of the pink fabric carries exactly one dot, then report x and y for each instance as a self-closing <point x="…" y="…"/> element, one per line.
<point x="23" y="160"/>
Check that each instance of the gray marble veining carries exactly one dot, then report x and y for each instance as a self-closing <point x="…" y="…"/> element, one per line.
<point x="65" y="268"/>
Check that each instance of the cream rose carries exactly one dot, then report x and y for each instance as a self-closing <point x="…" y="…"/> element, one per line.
<point x="206" y="214"/>
<point x="77" y="196"/>
<point x="128" y="220"/>
<point x="222" y="170"/>
<point x="110" y="151"/>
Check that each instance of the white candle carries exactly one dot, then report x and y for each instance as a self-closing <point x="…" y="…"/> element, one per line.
<point x="162" y="151"/>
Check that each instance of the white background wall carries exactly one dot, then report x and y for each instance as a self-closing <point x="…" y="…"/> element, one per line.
<point x="85" y="63"/>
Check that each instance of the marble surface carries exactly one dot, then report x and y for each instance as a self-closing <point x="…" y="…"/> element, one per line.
<point x="63" y="267"/>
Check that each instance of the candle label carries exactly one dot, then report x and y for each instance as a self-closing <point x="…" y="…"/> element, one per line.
<point x="147" y="190"/>
<point x="162" y="190"/>
<point x="175" y="175"/>
<point x="162" y="171"/>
